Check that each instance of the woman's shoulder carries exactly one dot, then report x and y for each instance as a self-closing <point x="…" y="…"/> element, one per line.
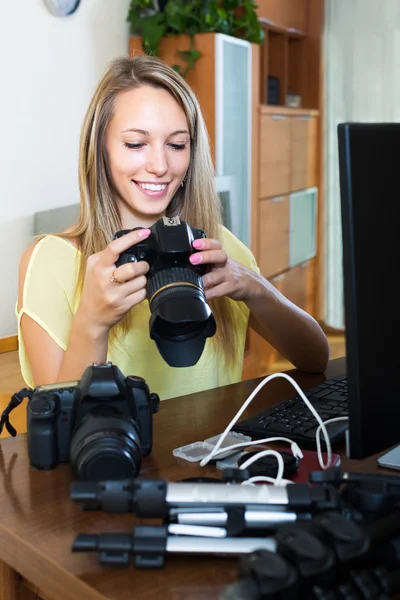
<point x="46" y="251"/>
<point x="50" y="246"/>
<point x="46" y="256"/>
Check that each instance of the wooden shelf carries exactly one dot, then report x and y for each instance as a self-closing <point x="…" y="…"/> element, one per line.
<point x="286" y="54"/>
<point x="291" y="32"/>
<point x="272" y="109"/>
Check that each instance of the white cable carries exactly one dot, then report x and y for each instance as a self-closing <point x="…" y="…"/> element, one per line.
<point x="297" y="453"/>
<point x="206" y="459"/>
<point x="262" y="478"/>
<point x="318" y="440"/>
<point x="254" y="458"/>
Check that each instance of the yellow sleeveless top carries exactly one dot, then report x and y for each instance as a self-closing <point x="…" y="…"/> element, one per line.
<point x="49" y="298"/>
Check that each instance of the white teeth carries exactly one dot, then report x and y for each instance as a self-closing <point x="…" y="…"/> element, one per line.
<point x="153" y="187"/>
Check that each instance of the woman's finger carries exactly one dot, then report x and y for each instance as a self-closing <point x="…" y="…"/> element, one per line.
<point x="122" y="294"/>
<point x="207" y="244"/>
<point x="217" y="257"/>
<point x="135" y="285"/>
<point x="213" y="278"/>
<point x="123" y="243"/>
<point x="218" y="291"/>
<point x="129" y="271"/>
<point x="136" y="297"/>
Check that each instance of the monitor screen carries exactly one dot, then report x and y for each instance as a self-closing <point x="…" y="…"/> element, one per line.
<point x="369" y="168"/>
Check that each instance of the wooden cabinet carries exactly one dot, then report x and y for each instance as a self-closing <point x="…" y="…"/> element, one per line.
<point x="288" y="146"/>
<point x="274" y="154"/>
<point x="273" y="235"/>
<point x="303" y="145"/>
<point x="288" y="14"/>
<point x="298" y="285"/>
<point x="288" y="168"/>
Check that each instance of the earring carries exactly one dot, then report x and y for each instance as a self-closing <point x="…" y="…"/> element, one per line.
<point x="183" y="180"/>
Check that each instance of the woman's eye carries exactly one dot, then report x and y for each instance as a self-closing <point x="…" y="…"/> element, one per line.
<point x="139" y="145"/>
<point x="133" y="146"/>
<point x="178" y="146"/>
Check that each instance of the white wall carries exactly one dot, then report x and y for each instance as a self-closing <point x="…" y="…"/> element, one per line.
<point x="362" y="83"/>
<point x="49" y="67"/>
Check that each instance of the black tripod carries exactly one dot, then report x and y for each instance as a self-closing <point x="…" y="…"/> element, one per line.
<point x="335" y="539"/>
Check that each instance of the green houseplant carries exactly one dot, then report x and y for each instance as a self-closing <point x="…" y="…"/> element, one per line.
<point x="154" y="19"/>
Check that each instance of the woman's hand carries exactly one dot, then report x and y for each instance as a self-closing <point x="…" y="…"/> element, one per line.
<point x="294" y="333"/>
<point x="226" y="277"/>
<point x="110" y="292"/>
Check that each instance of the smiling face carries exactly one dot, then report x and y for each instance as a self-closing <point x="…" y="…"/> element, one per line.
<point x="148" y="147"/>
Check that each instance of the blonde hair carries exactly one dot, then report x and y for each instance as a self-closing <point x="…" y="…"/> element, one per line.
<point x="196" y="202"/>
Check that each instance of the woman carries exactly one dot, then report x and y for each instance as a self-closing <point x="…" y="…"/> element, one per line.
<point x="144" y="154"/>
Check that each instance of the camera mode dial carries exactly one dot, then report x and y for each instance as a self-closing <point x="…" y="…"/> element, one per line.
<point x="42" y="406"/>
<point x="136" y="382"/>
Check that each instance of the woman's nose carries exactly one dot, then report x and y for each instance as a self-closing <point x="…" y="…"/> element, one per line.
<point x="157" y="162"/>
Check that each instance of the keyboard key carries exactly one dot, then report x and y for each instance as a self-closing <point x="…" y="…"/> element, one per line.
<point x="338" y="396"/>
<point x="299" y="430"/>
<point x="282" y="428"/>
<point x="322" y="393"/>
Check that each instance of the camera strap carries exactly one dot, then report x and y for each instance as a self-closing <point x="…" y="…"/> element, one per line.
<point x="15" y="401"/>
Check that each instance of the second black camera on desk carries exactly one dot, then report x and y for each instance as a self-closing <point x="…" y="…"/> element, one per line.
<point x="102" y="425"/>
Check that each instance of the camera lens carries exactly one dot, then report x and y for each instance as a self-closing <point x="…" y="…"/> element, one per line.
<point x="181" y="320"/>
<point x="106" y="447"/>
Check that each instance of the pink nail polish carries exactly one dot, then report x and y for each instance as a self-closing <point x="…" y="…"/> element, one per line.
<point x="144" y="232"/>
<point x="195" y="259"/>
<point x="198" y="244"/>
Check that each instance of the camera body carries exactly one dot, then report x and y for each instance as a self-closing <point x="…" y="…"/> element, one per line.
<point x="169" y="246"/>
<point x="181" y="319"/>
<point x="102" y="424"/>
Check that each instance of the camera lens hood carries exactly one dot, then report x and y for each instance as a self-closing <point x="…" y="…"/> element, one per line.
<point x="180" y="326"/>
<point x="181" y="320"/>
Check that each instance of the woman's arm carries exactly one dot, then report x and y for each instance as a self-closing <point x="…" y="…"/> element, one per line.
<point x="51" y="364"/>
<point x="293" y="332"/>
<point x="103" y="303"/>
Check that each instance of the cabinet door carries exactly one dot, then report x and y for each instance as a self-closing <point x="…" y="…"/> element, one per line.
<point x="273" y="235"/>
<point x="298" y="285"/>
<point x="303" y="152"/>
<point x="303" y="226"/>
<point x="274" y="155"/>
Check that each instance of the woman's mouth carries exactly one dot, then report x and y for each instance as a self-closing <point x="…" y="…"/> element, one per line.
<point x="152" y="190"/>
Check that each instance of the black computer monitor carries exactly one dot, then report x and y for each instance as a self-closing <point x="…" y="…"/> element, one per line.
<point x="369" y="167"/>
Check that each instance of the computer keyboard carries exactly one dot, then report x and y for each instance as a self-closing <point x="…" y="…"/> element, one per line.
<point x="293" y="419"/>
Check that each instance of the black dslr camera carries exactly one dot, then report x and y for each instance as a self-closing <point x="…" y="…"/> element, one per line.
<point x="181" y="319"/>
<point x="102" y="424"/>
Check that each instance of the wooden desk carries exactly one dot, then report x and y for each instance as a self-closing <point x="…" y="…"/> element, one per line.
<point x="38" y="521"/>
